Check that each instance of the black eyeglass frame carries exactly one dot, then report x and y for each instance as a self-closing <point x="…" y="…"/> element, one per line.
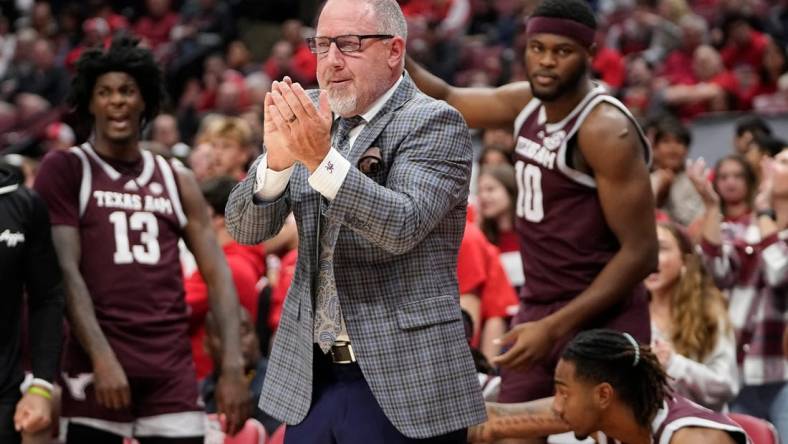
<point x="311" y="42"/>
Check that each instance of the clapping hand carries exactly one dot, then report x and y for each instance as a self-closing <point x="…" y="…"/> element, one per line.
<point x="301" y="128"/>
<point x="763" y="200"/>
<point x="698" y="174"/>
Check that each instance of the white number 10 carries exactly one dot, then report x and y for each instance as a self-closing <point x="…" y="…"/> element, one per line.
<point x="529" y="193"/>
<point x="144" y="254"/>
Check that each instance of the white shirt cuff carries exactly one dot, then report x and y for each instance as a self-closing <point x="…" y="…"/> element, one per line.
<point x="330" y="175"/>
<point x="270" y="184"/>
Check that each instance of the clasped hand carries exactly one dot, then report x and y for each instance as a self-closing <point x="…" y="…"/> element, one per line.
<point x="294" y="129"/>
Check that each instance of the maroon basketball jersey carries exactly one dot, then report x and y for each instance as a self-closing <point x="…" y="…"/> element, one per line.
<point x="564" y="238"/>
<point x="129" y="225"/>
<point x="679" y="412"/>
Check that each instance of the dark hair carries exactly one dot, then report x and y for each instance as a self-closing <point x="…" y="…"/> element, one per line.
<point x="604" y="355"/>
<point x="753" y="124"/>
<point x="768" y="144"/>
<point x="217" y="191"/>
<point x="575" y="10"/>
<point x="749" y="177"/>
<point x="505" y="174"/>
<point x="122" y="56"/>
<point x="672" y="127"/>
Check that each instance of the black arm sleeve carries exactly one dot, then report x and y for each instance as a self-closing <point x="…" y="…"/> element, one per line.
<point x="45" y="295"/>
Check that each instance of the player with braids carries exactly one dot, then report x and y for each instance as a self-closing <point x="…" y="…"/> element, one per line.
<point x="610" y="386"/>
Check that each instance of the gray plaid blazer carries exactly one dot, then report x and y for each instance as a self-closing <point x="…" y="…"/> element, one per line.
<point x="395" y="265"/>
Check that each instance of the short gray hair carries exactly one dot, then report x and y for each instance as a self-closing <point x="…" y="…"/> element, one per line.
<point x="390" y="17"/>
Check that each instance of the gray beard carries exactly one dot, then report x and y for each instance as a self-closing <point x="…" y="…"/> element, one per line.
<point x="342" y="105"/>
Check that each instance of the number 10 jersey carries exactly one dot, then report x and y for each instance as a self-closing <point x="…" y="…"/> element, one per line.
<point x="130" y="219"/>
<point x="564" y="238"/>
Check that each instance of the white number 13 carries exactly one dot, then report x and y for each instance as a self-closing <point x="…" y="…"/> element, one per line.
<point x="140" y="221"/>
<point x="529" y="195"/>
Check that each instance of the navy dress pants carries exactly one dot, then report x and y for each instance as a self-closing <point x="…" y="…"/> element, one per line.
<point x="344" y="411"/>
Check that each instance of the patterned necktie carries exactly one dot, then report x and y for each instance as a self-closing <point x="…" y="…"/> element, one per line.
<point x="328" y="317"/>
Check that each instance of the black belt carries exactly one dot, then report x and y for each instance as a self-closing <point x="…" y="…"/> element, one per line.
<point x="342" y="353"/>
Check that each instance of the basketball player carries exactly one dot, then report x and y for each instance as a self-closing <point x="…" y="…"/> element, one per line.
<point x="118" y="213"/>
<point x="609" y="386"/>
<point x="585" y="212"/>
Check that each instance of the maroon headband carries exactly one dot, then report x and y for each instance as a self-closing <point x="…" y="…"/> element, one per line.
<point x="559" y="26"/>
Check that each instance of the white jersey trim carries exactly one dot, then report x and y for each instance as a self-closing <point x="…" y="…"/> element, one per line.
<point x="691" y="421"/>
<point x="524" y="114"/>
<point x="147" y="169"/>
<point x="9" y="188"/>
<point x="171" y="425"/>
<point x="172" y="189"/>
<point x="592" y="94"/>
<point x="142" y="179"/>
<point x="119" y="428"/>
<point x="87" y="179"/>
<point x="579" y="176"/>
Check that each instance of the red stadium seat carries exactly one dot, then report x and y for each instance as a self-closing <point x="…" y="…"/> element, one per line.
<point x="760" y="431"/>
<point x="278" y="437"/>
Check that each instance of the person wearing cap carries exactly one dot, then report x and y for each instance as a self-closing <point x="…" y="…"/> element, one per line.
<point x="585" y="211"/>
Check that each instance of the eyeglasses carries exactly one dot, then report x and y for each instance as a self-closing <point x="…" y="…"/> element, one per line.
<point x="345" y="43"/>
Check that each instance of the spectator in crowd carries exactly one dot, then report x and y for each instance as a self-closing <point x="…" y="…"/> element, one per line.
<point x="743" y="45"/>
<point x="240" y="59"/>
<point x="155" y="26"/>
<point x="303" y="62"/>
<point x="247" y="265"/>
<point x="612" y="388"/>
<point x="400" y="212"/>
<point x="486" y="294"/>
<point x="128" y="368"/>
<point x="714" y="89"/>
<point x="231" y="139"/>
<point x="690" y="329"/>
<point x="677" y="66"/>
<point x="164" y="130"/>
<point x="497" y="197"/>
<point x="615" y="240"/>
<point x="31" y="281"/>
<point x="747" y="127"/>
<point x="675" y="194"/>
<point x="497" y="147"/>
<point x="255" y="366"/>
<point x="45" y="79"/>
<point x="761" y="147"/>
<point x="752" y="268"/>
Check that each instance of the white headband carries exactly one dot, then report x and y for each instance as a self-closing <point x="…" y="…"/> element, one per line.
<point x="635" y="346"/>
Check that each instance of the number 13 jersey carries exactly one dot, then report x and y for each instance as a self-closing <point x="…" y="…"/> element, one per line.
<point x="130" y="219"/>
<point x="564" y="238"/>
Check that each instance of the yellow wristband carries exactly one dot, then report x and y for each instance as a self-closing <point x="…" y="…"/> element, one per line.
<point x="36" y="390"/>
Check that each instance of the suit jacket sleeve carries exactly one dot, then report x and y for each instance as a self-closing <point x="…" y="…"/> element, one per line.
<point x="428" y="177"/>
<point x="249" y="220"/>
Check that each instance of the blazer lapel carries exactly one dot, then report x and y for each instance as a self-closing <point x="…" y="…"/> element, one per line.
<point x="405" y="91"/>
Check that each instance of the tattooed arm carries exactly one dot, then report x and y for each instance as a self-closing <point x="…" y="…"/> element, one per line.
<point x="532" y="419"/>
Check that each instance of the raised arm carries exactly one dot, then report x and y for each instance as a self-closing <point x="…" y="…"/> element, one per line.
<point x="111" y="385"/>
<point x="480" y="107"/>
<point x="232" y="393"/>
<point x="610" y="144"/>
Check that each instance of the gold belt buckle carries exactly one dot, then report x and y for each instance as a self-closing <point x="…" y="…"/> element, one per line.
<point x="343" y="359"/>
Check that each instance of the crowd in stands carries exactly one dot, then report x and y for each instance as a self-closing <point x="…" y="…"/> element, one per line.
<point x="719" y="301"/>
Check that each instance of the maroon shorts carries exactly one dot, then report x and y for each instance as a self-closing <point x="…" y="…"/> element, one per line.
<point x="149" y="397"/>
<point x="537" y="382"/>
